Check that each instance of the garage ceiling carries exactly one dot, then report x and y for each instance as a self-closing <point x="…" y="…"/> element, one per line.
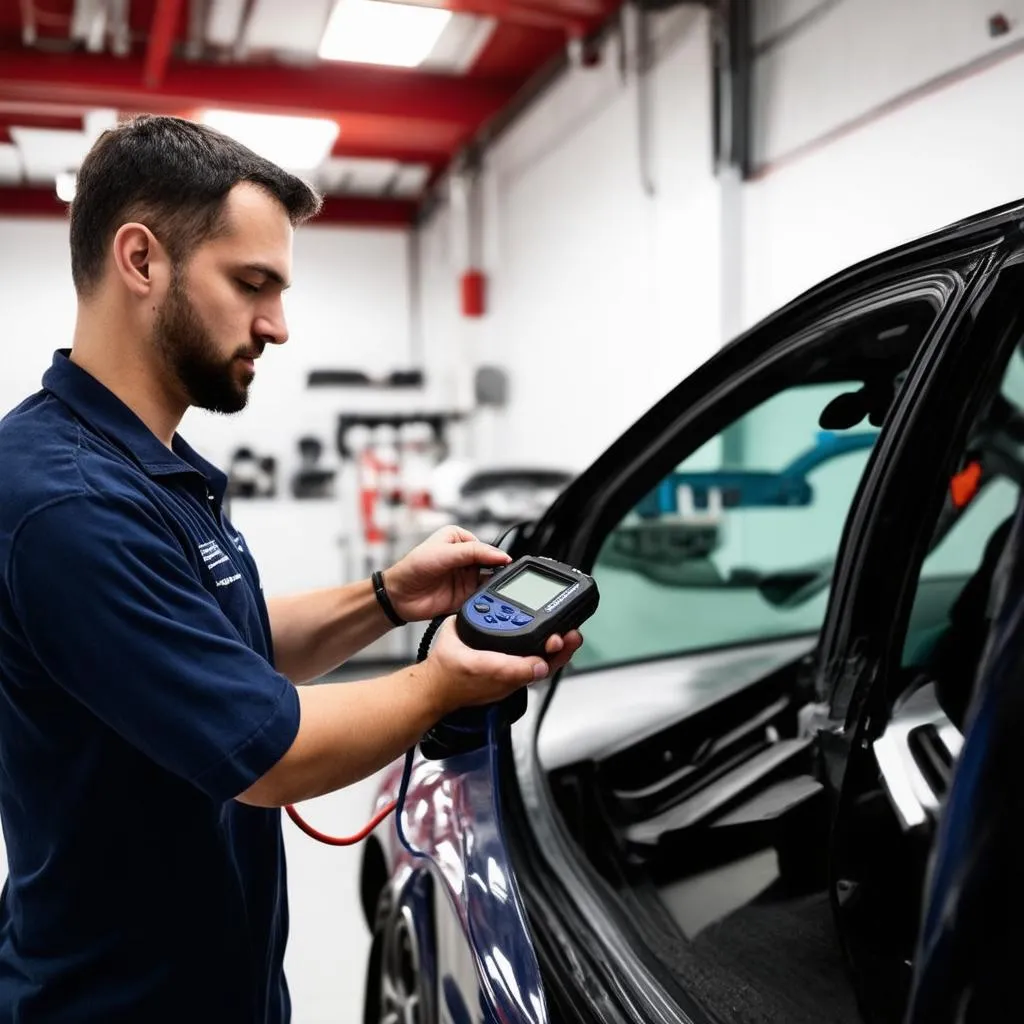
<point x="70" y="68"/>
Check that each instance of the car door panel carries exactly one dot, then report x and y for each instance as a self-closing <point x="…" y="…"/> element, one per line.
<point x="452" y="820"/>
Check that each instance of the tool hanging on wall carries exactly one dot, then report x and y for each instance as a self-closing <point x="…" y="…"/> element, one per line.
<point x="379" y="494"/>
<point x="390" y="457"/>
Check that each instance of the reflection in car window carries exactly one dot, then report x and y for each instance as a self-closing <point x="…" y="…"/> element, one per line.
<point x="738" y="543"/>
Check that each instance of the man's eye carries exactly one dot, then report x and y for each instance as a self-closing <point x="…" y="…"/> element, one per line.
<point x="251" y="289"/>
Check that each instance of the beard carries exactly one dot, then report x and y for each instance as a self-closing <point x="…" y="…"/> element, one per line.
<point x="189" y="351"/>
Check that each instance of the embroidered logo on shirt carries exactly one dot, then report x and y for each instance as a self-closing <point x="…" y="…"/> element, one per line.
<point x="213" y="557"/>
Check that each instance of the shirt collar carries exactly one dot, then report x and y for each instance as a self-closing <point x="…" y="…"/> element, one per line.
<point x="98" y="406"/>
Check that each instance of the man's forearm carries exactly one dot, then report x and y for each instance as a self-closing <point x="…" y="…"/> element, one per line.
<point x="347" y="732"/>
<point x="319" y="630"/>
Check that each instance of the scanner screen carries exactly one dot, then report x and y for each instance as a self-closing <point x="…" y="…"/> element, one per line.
<point x="532" y="589"/>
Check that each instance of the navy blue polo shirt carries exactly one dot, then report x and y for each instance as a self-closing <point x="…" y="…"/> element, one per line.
<point x="137" y="698"/>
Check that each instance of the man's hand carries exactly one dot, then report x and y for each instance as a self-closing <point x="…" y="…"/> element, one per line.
<point x="437" y="576"/>
<point x="462" y="677"/>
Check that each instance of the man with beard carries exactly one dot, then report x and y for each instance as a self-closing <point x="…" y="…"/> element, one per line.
<point x="150" y="722"/>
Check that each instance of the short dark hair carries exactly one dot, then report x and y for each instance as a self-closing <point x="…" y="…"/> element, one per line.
<point x="173" y="176"/>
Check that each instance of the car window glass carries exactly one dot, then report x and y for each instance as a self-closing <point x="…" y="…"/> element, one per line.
<point x="959" y="552"/>
<point x="738" y="543"/>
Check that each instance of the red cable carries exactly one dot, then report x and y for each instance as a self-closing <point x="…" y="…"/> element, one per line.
<point x="321" y="837"/>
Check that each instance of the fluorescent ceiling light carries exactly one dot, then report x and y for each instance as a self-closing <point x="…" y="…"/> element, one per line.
<point x="66" y="183"/>
<point x="381" y="32"/>
<point x="296" y="143"/>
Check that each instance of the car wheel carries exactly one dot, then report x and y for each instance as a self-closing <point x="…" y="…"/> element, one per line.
<point x="397" y="989"/>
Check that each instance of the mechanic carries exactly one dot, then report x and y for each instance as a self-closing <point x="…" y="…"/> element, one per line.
<point x="150" y="725"/>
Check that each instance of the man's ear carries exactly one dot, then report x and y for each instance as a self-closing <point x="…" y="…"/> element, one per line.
<point x="140" y="261"/>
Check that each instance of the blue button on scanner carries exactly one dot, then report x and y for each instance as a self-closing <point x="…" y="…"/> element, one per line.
<point x="481" y="607"/>
<point x="508" y="611"/>
<point x="522" y="620"/>
<point x="503" y="618"/>
<point x="490" y="618"/>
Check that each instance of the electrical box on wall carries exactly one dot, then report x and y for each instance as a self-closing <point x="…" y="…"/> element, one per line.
<point x="490" y="386"/>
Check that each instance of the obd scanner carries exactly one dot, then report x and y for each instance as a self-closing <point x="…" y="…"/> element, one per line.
<point x="513" y="613"/>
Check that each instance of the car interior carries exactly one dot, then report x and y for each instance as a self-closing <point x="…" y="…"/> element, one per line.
<point x="717" y="826"/>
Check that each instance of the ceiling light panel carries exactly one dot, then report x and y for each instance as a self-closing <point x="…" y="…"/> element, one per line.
<point x="224" y="22"/>
<point x="10" y="164"/>
<point x="459" y="45"/>
<point x="278" y="27"/>
<point x="410" y="180"/>
<point x="296" y="143"/>
<point x="48" y="151"/>
<point x="66" y="185"/>
<point x="380" y="32"/>
<point x="356" y="175"/>
<point x="97" y="121"/>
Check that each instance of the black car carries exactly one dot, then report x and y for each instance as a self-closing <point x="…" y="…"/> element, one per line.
<point x="724" y="811"/>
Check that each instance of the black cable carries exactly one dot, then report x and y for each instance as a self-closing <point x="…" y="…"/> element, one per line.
<point x="421" y="655"/>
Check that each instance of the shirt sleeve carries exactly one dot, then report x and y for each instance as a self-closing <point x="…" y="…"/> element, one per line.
<point x="116" y="615"/>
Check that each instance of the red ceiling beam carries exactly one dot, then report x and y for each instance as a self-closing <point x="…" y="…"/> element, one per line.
<point x="161" y="40"/>
<point x="324" y="91"/>
<point x="593" y="11"/>
<point x="16" y="111"/>
<point x="350" y="211"/>
<point x="516" y="13"/>
<point x="60" y="122"/>
<point x="31" y="202"/>
<point x="369" y="213"/>
<point x="383" y="151"/>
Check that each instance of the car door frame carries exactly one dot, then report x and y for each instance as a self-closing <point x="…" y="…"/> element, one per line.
<point x="870" y="608"/>
<point x="867" y="622"/>
<point x="576" y="525"/>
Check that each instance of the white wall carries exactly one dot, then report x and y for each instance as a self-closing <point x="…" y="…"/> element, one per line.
<point x="914" y="107"/>
<point x="600" y="296"/>
<point x="38" y="302"/>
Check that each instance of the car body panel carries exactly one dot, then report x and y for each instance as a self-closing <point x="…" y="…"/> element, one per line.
<point x="453" y="819"/>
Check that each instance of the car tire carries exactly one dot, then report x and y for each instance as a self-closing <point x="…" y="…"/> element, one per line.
<point x="398" y="990"/>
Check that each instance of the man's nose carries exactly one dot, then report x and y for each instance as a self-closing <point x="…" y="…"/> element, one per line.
<point x="271" y="329"/>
